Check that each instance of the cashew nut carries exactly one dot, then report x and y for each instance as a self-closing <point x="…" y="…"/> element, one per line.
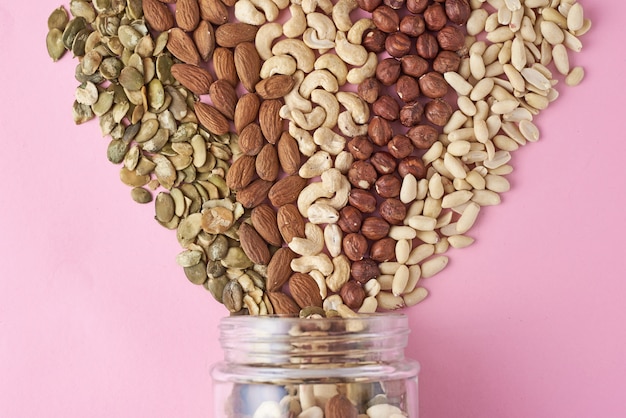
<point x="265" y="37"/>
<point x="318" y="78"/>
<point x="358" y="108"/>
<point x="310" y="194"/>
<point x="340" y="274"/>
<point x="319" y="262"/>
<point x="317" y="164"/>
<point x="246" y="12"/>
<point x="309" y="6"/>
<point x="335" y="65"/>
<point x="296" y="24"/>
<point x="268" y="7"/>
<point x="311" y="245"/>
<point x="312" y="40"/>
<point x="293" y="100"/>
<point x="322" y="31"/>
<point x="330" y="104"/>
<point x="329" y="140"/>
<point x="278" y="64"/>
<point x="321" y="213"/>
<point x="353" y="54"/>
<point x="311" y="120"/>
<point x="281" y="4"/>
<point x="341" y="14"/>
<point x="342" y="194"/>
<point x="304" y="139"/>
<point x="355" y="33"/>
<point x="357" y="74"/>
<point x="348" y="127"/>
<point x="343" y="161"/>
<point x="333" y="236"/>
<point x="321" y="282"/>
<point x="305" y="57"/>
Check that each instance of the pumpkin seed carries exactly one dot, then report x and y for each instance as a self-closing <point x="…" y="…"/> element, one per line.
<point x="71" y="30"/>
<point x="58" y="19"/>
<point x="54" y="44"/>
<point x="116" y="151"/>
<point x="141" y="195"/>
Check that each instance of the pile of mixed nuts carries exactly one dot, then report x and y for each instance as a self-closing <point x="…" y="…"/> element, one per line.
<point x="313" y="152"/>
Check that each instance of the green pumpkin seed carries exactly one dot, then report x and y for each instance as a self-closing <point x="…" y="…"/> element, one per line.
<point x="131" y="79"/>
<point x="58" y="19"/>
<point x="87" y="93"/>
<point x="81" y="113"/>
<point x="103" y="104"/>
<point x="134" y="8"/>
<point x="216" y="285"/>
<point x="140" y="195"/>
<point x="116" y="151"/>
<point x="196" y="274"/>
<point x="83" y="9"/>
<point x="54" y="44"/>
<point x="73" y="27"/>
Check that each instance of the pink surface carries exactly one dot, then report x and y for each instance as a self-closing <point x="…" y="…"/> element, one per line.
<point x="97" y="320"/>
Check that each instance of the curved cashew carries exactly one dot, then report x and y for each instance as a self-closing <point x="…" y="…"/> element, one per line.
<point x="352" y="54"/>
<point x="296" y="24"/>
<point x="268" y="7"/>
<point x="348" y="127"/>
<point x="331" y="178"/>
<point x="293" y="99"/>
<point x="358" y="108"/>
<point x="355" y="33"/>
<point x="312" y="40"/>
<point x="343" y="161"/>
<point x="340" y="274"/>
<point x="307" y="263"/>
<point x="309" y="6"/>
<point x="313" y="244"/>
<point x="330" y="104"/>
<point x="342" y="193"/>
<point x="341" y="14"/>
<point x="304" y="139"/>
<point x="311" y="120"/>
<point x="318" y="78"/>
<point x="278" y="64"/>
<point x="317" y="164"/>
<point x="321" y="282"/>
<point x="264" y="38"/>
<point x="328" y="140"/>
<point x="246" y="12"/>
<point x="323" y="28"/>
<point x="281" y="4"/>
<point x="335" y="65"/>
<point x="358" y="74"/>
<point x="310" y="194"/>
<point x="321" y="213"/>
<point x="304" y="56"/>
<point x="333" y="236"/>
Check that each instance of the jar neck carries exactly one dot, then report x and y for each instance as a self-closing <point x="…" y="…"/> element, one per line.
<point x="300" y="342"/>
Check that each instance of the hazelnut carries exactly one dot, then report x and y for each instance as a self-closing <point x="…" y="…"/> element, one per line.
<point x="451" y="38"/>
<point x="411" y="114"/>
<point x="423" y="136"/>
<point x="374" y="228"/>
<point x="414" y="65"/>
<point x="438" y="112"/>
<point x="427" y="46"/>
<point x="364" y="270"/>
<point x="369" y="89"/>
<point x="400" y="146"/>
<point x="407" y="88"/>
<point x="412" y="165"/>
<point x="446" y="61"/>
<point x="361" y="147"/>
<point x="379" y="131"/>
<point x="433" y="85"/>
<point x="393" y="211"/>
<point x="383" y="162"/>
<point x="388" y="186"/>
<point x="394" y="4"/>
<point x="386" y="19"/>
<point x="388" y="71"/>
<point x="435" y="17"/>
<point x="386" y="107"/>
<point x="362" y="200"/>
<point x="412" y="25"/>
<point x="368" y="5"/>
<point x="349" y="219"/>
<point x="355" y="246"/>
<point x="458" y="11"/>
<point x="362" y="175"/>
<point x="397" y="44"/>
<point x="352" y="294"/>
<point x="374" y="40"/>
<point x="383" y="250"/>
<point x="417" y="6"/>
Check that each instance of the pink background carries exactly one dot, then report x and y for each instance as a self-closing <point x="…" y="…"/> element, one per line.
<point x="97" y="320"/>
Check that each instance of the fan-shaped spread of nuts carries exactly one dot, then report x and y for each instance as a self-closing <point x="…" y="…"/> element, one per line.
<point x="315" y="152"/>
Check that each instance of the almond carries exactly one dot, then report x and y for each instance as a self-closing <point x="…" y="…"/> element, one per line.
<point x="224" y="98"/>
<point x="230" y="35"/>
<point x="241" y="172"/>
<point x="263" y="219"/>
<point x="279" y="269"/>
<point x="286" y="190"/>
<point x="180" y="44"/>
<point x="254" y="194"/>
<point x="204" y="37"/>
<point x="305" y="292"/>
<point x="267" y="163"/>
<point x="211" y="118"/>
<point x="224" y="66"/>
<point x="340" y="407"/>
<point x="275" y="87"/>
<point x="253" y="245"/>
<point x="270" y="120"/>
<point x="251" y="139"/>
<point x="283" y="304"/>
<point x="187" y="14"/>
<point x="290" y="222"/>
<point x="246" y="110"/>
<point x="158" y="15"/>
<point x="196" y="79"/>
<point x="214" y="11"/>
<point x="288" y="153"/>
<point x="248" y="65"/>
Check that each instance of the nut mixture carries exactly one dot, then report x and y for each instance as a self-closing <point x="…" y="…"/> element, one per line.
<point x="306" y="157"/>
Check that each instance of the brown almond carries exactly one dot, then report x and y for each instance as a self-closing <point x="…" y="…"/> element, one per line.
<point x="275" y="87"/>
<point x="224" y="97"/>
<point x="214" y="11"/>
<point x="270" y="120"/>
<point x="246" y="110"/>
<point x="340" y="407"/>
<point x="231" y="34"/>
<point x="283" y="304"/>
<point x="251" y="139"/>
<point x="224" y="65"/>
<point x="288" y="153"/>
<point x="158" y="15"/>
<point x="211" y="118"/>
<point x="253" y="245"/>
<point x="204" y="37"/>
<point x="305" y="292"/>
<point x="180" y="44"/>
<point x="286" y="190"/>
<point x="267" y="163"/>
<point x="241" y="172"/>
<point x="264" y="220"/>
<point x="279" y="269"/>
<point x="196" y="79"/>
<point x="187" y="14"/>
<point x="248" y="65"/>
<point x="254" y="194"/>
<point x="290" y="222"/>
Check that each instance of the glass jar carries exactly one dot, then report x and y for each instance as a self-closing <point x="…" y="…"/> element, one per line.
<point x="280" y="367"/>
